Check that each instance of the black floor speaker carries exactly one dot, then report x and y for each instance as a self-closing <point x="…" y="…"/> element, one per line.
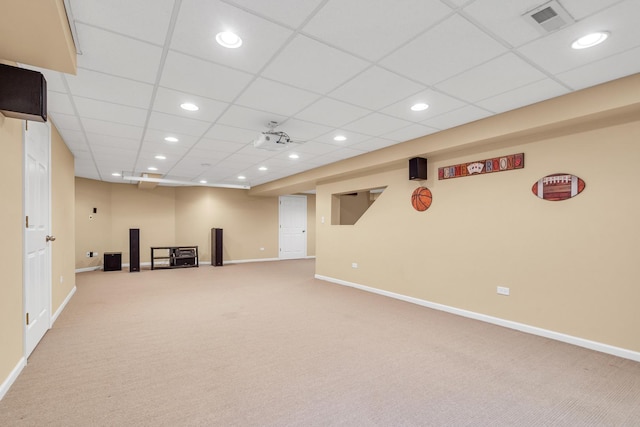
<point x="216" y="247"/>
<point x="418" y="168"/>
<point x="134" y="249"/>
<point x="112" y="261"/>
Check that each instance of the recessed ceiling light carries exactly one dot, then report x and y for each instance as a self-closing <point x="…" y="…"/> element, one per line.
<point x="152" y="168"/>
<point x="115" y="174"/>
<point x="340" y="138"/>
<point x="262" y="168"/>
<point x="420" y="106"/>
<point x="189" y="106"/>
<point x="228" y="39"/>
<point x="160" y="157"/>
<point x="203" y="181"/>
<point x="590" y="40"/>
<point x="171" y="139"/>
<point x="242" y="177"/>
<point x="294" y="156"/>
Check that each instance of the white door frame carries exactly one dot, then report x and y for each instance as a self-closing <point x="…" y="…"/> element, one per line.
<point x="48" y="268"/>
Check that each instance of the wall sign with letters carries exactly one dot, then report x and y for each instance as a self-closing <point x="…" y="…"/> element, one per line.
<point x="497" y="164"/>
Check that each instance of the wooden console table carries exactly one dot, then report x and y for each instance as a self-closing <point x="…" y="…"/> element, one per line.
<point x="177" y="256"/>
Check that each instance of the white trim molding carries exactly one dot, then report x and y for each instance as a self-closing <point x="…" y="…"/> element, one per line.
<point x="13" y="376"/>
<point x="569" y="339"/>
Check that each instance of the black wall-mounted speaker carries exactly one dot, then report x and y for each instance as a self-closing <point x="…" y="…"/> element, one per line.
<point x="23" y="94"/>
<point x="216" y="247"/>
<point x="134" y="250"/>
<point x="418" y="168"/>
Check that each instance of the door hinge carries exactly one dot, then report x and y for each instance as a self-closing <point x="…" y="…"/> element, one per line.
<point x="27" y="319"/>
<point x="27" y="220"/>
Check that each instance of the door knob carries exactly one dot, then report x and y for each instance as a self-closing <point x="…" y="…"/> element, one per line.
<point x="50" y="238"/>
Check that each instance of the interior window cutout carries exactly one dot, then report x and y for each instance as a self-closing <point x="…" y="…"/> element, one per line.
<point x="347" y="208"/>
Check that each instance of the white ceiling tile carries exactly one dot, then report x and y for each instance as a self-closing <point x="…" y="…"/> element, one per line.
<point x="278" y="98"/>
<point x="315" y="148"/>
<point x="505" y="18"/>
<point x="376" y="88"/>
<point x="200" y="20"/>
<point x="195" y="76"/>
<point x="106" y="141"/>
<point x="610" y="68"/>
<point x="142" y="19"/>
<point x="580" y="9"/>
<point x="492" y="78"/>
<point x="59" y="102"/>
<point x="352" y="138"/>
<point x="373" y="30"/>
<point x="376" y="124"/>
<point x="554" y="53"/>
<point x="169" y="101"/>
<point x="438" y="102"/>
<point x="158" y="136"/>
<point x="458" y="117"/>
<point x="311" y="65"/>
<point x="114" y="54"/>
<point x="220" y="146"/>
<point x="248" y="118"/>
<point x="109" y="112"/>
<point x="429" y="58"/>
<point x="375" y="144"/>
<point x="524" y="95"/>
<point x="66" y="121"/>
<point x="410" y="132"/>
<point x="222" y="132"/>
<point x="290" y="13"/>
<point x="105" y="87"/>
<point x="112" y="129"/>
<point x="300" y="130"/>
<point x="331" y="112"/>
<point x="171" y="123"/>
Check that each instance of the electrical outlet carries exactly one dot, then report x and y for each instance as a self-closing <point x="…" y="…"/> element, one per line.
<point x="61" y="279"/>
<point x="262" y="249"/>
<point x="354" y="265"/>
<point x="503" y="290"/>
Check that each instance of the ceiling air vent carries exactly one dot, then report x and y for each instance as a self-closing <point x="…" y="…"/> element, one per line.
<point x="548" y="17"/>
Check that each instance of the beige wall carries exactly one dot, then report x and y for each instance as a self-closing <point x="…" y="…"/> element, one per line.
<point x="177" y="216"/>
<point x="11" y="251"/>
<point x="11" y="229"/>
<point x="63" y="277"/>
<point x="572" y="266"/>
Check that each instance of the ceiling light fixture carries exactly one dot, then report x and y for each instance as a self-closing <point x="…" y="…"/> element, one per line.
<point x="160" y="157"/>
<point x="152" y="168"/>
<point x="171" y="139"/>
<point x="590" y="40"/>
<point x="262" y="168"/>
<point x="420" y="106"/>
<point x="229" y="40"/>
<point x="189" y="106"/>
<point x="115" y="174"/>
<point x="294" y="156"/>
<point x="203" y="181"/>
<point x="340" y="138"/>
<point x="242" y="177"/>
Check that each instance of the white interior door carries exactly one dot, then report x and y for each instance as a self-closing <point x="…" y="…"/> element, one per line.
<point x="37" y="262"/>
<point x="293" y="227"/>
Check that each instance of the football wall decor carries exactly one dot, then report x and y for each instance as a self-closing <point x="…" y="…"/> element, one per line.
<point x="480" y="167"/>
<point x="559" y="186"/>
<point x="421" y="199"/>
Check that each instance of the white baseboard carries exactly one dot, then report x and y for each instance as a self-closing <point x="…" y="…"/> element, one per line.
<point x="237" y="261"/>
<point x="581" y="342"/>
<point x="13" y="376"/>
<point x="85" y="269"/>
<point x="62" y="306"/>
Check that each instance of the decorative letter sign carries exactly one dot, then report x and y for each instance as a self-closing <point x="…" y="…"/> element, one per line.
<point x="497" y="164"/>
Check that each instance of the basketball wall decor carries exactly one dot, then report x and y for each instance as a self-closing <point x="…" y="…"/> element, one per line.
<point x="559" y="186"/>
<point x="480" y="167"/>
<point x="421" y="199"/>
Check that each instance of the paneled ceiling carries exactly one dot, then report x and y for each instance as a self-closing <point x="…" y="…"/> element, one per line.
<point x="320" y="68"/>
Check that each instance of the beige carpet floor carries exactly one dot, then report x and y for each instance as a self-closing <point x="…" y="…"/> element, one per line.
<point x="266" y="344"/>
